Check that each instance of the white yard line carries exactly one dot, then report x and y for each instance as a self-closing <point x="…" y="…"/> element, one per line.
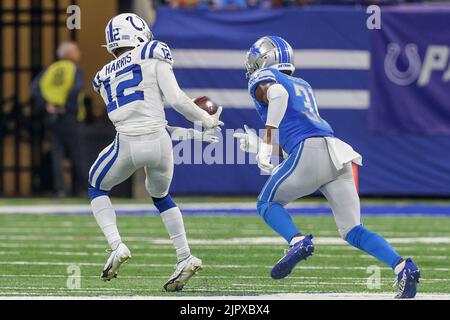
<point x="231" y="241"/>
<point x="151" y="247"/>
<point x="262" y="297"/>
<point x="7" y="253"/>
<point x="248" y="207"/>
<point x="212" y="266"/>
<point x="142" y="232"/>
<point x="217" y="255"/>
<point x="86" y="209"/>
<point x="291" y="278"/>
<point x="291" y="284"/>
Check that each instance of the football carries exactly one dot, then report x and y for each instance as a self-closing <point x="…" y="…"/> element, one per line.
<point x="206" y="104"/>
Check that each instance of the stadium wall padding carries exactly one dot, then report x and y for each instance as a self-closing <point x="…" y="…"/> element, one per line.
<point x="333" y="50"/>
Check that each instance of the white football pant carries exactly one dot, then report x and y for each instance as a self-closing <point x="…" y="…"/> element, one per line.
<point x="118" y="161"/>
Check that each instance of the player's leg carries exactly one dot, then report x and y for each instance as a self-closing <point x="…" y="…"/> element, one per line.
<point x="112" y="167"/>
<point x="158" y="180"/>
<point x="343" y="198"/>
<point x="273" y="211"/>
<point x="293" y="179"/>
<point x="342" y="195"/>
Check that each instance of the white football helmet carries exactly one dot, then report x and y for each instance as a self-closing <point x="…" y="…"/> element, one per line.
<point x="126" y="30"/>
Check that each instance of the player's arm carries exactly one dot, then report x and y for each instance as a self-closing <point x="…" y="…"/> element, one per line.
<point x="250" y="142"/>
<point x="97" y="83"/>
<point x="276" y="97"/>
<point x="180" y="101"/>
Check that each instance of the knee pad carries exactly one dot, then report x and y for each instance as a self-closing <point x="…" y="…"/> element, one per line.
<point x="164" y="204"/>
<point x="156" y="193"/>
<point x="95" y="193"/>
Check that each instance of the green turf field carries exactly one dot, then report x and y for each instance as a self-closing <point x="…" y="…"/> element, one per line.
<point x="36" y="251"/>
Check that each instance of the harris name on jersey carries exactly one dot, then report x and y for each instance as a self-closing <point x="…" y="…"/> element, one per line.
<point x="117" y="64"/>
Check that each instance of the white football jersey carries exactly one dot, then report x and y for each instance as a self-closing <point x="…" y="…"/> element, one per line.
<point x="129" y="87"/>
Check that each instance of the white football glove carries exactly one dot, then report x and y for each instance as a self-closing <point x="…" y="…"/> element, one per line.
<point x="212" y="121"/>
<point x="248" y="141"/>
<point x="263" y="157"/>
<point x="182" y="134"/>
<point x="209" y="135"/>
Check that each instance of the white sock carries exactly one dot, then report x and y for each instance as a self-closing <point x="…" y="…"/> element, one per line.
<point x="296" y="239"/>
<point x="173" y="220"/>
<point x="106" y="218"/>
<point x="400" y="267"/>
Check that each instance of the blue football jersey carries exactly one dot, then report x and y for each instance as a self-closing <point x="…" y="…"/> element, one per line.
<point x="302" y="119"/>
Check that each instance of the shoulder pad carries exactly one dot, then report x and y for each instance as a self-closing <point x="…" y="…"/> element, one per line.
<point x="157" y="50"/>
<point x="263" y="75"/>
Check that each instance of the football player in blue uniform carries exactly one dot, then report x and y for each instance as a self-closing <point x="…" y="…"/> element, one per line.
<point x="314" y="160"/>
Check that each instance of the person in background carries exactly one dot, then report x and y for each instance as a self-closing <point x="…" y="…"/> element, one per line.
<point x="59" y="91"/>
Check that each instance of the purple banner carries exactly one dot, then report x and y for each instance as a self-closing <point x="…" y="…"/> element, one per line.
<point x="410" y="72"/>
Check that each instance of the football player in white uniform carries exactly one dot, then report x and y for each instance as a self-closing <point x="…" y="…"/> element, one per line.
<point x="133" y="86"/>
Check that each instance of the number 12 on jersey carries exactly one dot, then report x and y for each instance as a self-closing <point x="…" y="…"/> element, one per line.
<point x="119" y="99"/>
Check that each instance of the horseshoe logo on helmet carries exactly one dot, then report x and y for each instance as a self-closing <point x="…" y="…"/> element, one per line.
<point x="130" y="18"/>
<point x="408" y="76"/>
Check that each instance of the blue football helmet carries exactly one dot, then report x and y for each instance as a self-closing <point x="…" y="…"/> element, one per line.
<point x="270" y="51"/>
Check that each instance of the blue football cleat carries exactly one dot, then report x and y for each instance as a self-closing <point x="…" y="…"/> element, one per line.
<point x="298" y="252"/>
<point x="407" y="280"/>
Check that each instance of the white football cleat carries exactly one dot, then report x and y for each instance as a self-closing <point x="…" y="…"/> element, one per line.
<point x="184" y="271"/>
<point x="121" y="255"/>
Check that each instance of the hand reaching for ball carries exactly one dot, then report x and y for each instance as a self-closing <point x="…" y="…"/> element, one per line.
<point x="214" y="110"/>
